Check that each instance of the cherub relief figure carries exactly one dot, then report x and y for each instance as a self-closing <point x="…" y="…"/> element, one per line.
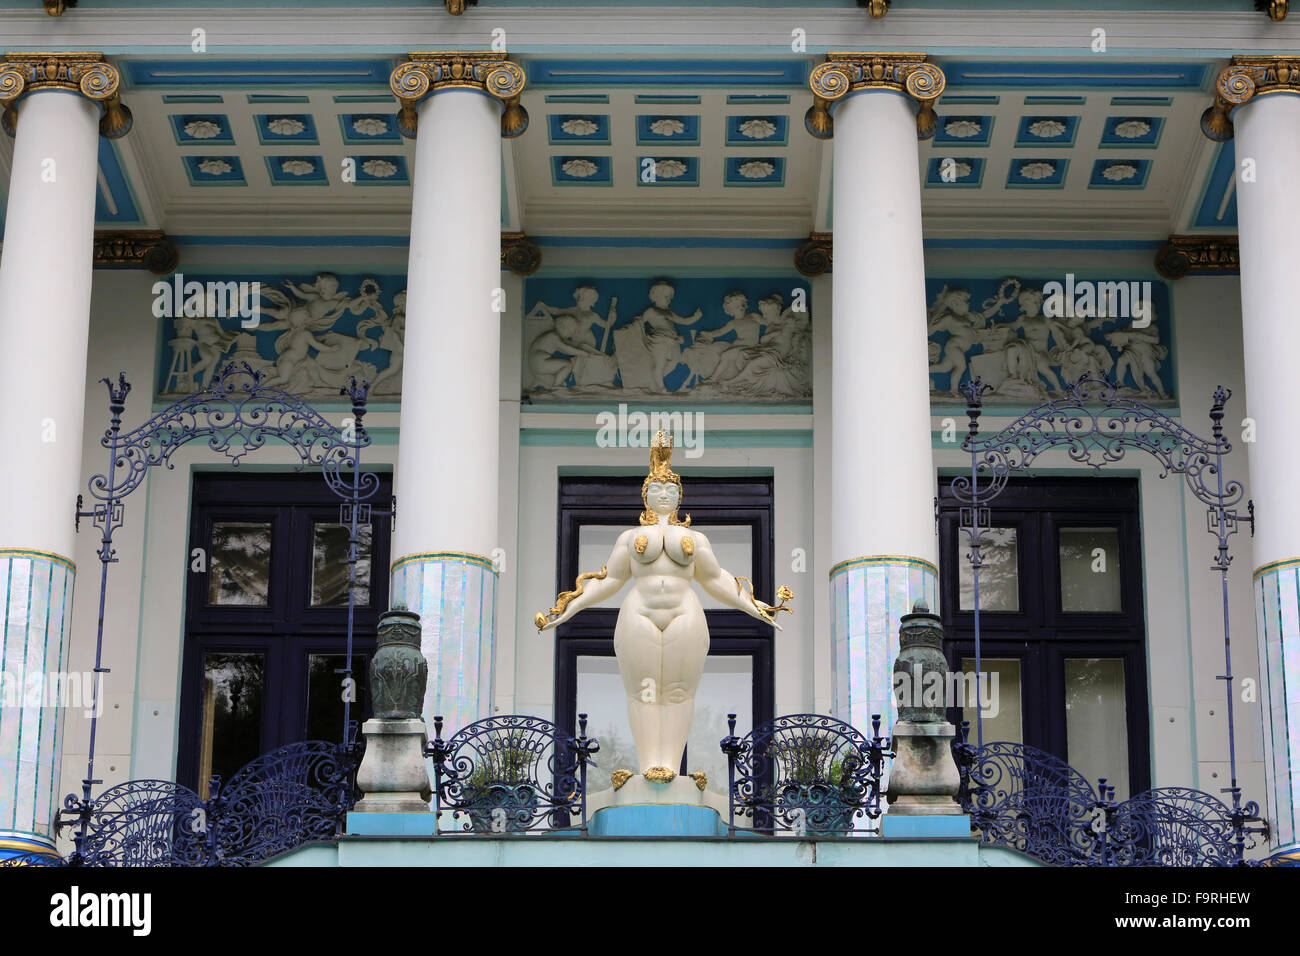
<point x="708" y="357"/>
<point x="594" y="366"/>
<point x="659" y="325"/>
<point x="212" y="342"/>
<point x="1140" y="356"/>
<point x="320" y="305"/>
<point x="391" y="338"/>
<point x="564" y="337"/>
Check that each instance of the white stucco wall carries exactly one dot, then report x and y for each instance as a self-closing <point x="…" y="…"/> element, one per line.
<point x="144" y="612"/>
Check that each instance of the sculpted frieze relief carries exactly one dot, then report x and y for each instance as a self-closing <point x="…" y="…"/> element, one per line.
<point x="1029" y="339"/>
<point x="309" y="336"/>
<point x="745" y="341"/>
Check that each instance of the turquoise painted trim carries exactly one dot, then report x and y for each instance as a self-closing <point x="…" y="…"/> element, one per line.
<point x="678" y="71"/>
<point x="663" y="820"/>
<point x="305" y="241"/>
<point x="1075" y="73"/>
<point x="664" y="242"/>
<point x="563" y="849"/>
<point x="602" y="98"/>
<point x="955" y="827"/>
<point x="551" y="408"/>
<point x="980" y="5"/>
<point x="665" y="99"/>
<point x="673" y="242"/>
<point x="1126" y="101"/>
<point x="392" y="824"/>
<point x="366" y="98"/>
<point x="170" y="98"/>
<point x="730" y="438"/>
<point x="119" y="188"/>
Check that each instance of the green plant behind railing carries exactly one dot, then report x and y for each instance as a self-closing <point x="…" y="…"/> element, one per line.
<point x="505" y="760"/>
<point x="810" y="758"/>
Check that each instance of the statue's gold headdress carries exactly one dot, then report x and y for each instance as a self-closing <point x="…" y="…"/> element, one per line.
<point x="661" y="460"/>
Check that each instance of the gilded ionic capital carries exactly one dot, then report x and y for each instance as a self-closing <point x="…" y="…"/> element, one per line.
<point x="1245" y="78"/>
<point x="1203" y="254"/>
<point x="1276" y="9"/>
<point x="816" y="255"/>
<point x="520" y="254"/>
<point x="136" y="248"/>
<point x="845" y="73"/>
<point x="491" y="73"/>
<point x="55" y="8"/>
<point x="84" y="73"/>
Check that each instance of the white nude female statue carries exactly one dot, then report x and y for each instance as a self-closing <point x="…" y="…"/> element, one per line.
<point x="661" y="638"/>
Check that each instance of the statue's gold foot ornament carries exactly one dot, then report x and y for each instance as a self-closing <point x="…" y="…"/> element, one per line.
<point x="701" y="778"/>
<point x="620" y="777"/>
<point x="659" y="775"/>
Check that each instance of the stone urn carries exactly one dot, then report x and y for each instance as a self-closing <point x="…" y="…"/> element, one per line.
<point x="924" y="776"/>
<point x="398" y="672"/>
<point x="393" y="775"/>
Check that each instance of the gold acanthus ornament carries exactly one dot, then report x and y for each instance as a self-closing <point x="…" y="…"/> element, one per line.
<point x="84" y="73"/>
<point x="429" y="72"/>
<point x="845" y="73"/>
<point x="1245" y="78"/>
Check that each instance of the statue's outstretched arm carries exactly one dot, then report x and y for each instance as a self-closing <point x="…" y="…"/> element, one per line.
<point x="722" y="586"/>
<point x="591" y="588"/>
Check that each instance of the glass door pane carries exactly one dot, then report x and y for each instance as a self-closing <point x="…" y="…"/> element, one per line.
<point x="1096" y="720"/>
<point x="329" y="564"/>
<point x="999" y="574"/>
<point x="1000" y="699"/>
<point x="726" y="688"/>
<point x="1090" y="569"/>
<point x="231" y="720"/>
<point x="602" y="698"/>
<point x="325" y="692"/>
<point x="240" y="563"/>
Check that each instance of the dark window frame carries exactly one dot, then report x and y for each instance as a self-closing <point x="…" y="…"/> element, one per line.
<point x="1041" y="634"/>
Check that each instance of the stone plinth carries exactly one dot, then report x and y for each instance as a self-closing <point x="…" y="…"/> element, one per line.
<point x="393" y="775"/>
<point x="924" y="776"/>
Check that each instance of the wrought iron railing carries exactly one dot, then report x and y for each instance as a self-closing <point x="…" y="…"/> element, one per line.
<point x="806" y="774"/>
<point x="1028" y="800"/>
<point x="511" y="774"/>
<point x="294" y="795"/>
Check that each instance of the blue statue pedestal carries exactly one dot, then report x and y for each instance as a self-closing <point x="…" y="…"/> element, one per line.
<point x="643" y="809"/>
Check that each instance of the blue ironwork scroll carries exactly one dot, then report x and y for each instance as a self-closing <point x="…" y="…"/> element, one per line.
<point x="808" y="774"/>
<point x="1096" y="426"/>
<point x="510" y="774"/>
<point x="1025" y="799"/>
<point x="291" y="794"/>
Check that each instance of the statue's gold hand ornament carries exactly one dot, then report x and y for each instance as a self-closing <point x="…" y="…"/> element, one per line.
<point x="768" y="611"/>
<point x="543" y="618"/>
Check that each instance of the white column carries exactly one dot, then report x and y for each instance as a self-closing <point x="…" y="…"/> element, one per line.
<point x="448" y="463"/>
<point x="45" y="273"/>
<point x="1268" y="134"/>
<point x="447" y="473"/>
<point x="882" y="470"/>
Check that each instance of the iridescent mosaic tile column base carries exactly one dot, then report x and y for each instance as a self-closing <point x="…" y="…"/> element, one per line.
<point x="455" y="595"/>
<point x="869" y="596"/>
<point x="36" y="696"/>
<point x="1277" y="616"/>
